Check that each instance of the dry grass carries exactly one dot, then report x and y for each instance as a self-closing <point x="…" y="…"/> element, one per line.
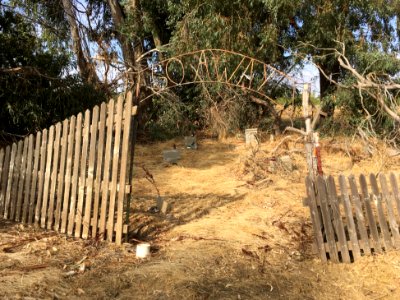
<point x="222" y="239"/>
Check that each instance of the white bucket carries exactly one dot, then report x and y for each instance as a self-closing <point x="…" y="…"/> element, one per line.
<point x="142" y="250"/>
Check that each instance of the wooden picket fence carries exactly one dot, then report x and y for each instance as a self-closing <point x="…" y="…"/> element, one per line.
<point x="72" y="177"/>
<point x="362" y="220"/>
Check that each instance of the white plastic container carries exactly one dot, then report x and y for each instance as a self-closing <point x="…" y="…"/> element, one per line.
<point x="142" y="250"/>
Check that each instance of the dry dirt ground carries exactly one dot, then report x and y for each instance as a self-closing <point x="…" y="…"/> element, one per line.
<point x="236" y="229"/>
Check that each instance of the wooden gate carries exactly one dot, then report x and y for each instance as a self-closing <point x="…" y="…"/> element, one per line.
<point x="72" y="177"/>
<point x="363" y="219"/>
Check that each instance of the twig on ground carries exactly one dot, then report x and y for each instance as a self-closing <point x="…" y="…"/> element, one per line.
<point x="150" y="179"/>
<point x="196" y="238"/>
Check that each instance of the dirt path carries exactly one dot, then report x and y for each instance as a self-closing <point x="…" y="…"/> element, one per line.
<point x="230" y="234"/>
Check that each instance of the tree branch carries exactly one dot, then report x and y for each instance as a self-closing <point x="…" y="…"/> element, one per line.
<point x="369" y="83"/>
<point x="299" y="131"/>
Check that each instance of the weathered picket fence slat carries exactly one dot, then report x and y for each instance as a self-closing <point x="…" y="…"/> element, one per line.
<point x="362" y="220"/>
<point x="16" y="180"/>
<point x="315" y="218"/>
<point x="61" y="177"/>
<point x="377" y="199"/>
<point x="82" y="176"/>
<point x="72" y="176"/>
<point x="10" y="181"/>
<point x="21" y="180"/>
<point x="4" y="181"/>
<point x="337" y="220"/>
<point x="32" y="196"/>
<point x="52" y="205"/>
<point x="114" y="174"/>
<point x="47" y="174"/>
<point x="388" y="196"/>
<point x="2" y="166"/>
<point x="75" y="175"/>
<point x="373" y="228"/>
<point x="326" y="220"/>
<point x="106" y="170"/>
<point x="364" y="242"/>
<point x="42" y="166"/>
<point x="99" y="162"/>
<point x="28" y="177"/>
<point x="351" y="226"/>
<point x="68" y="174"/>
<point x="123" y="168"/>
<point x="89" y="182"/>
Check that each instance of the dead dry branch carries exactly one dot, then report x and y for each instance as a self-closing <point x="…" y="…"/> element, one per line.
<point x="381" y="87"/>
<point x="257" y="166"/>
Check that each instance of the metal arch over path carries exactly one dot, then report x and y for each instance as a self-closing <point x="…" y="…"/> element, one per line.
<point x="209" y="66"/>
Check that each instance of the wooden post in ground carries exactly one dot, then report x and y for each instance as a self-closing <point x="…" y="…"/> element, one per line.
<point x="307" y="112"/>
<point x="131" y="158"/>
<point x="317" y="155"/>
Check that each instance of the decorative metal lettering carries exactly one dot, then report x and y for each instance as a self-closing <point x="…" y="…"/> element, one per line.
<point x="209" y="66"/>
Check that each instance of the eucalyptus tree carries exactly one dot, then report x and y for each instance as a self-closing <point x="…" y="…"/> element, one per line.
<point x="106" y="41"/>
<point x="100" y="41"/>
<point x="248" y="27"/>
<point x="35" y="87"/>
<point x="364" y="28"/>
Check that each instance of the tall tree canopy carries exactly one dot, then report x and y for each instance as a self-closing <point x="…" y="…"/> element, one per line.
<point x="365" y="28"/>
<point x="100" y="43"/>
<point x="35" y="87"/>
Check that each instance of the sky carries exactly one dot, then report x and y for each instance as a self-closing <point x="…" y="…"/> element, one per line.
<point x="310" y="74"/>
<point x="306" y="72"/>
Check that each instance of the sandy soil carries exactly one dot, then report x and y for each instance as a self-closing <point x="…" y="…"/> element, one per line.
<point x="236" y="229"/>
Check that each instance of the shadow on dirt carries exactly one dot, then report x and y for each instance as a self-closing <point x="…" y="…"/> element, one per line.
<point x="147" y="223"/>
<point x="208" y="270"/>
<point x="6" y="225"/>
<point x="208" y="154"/>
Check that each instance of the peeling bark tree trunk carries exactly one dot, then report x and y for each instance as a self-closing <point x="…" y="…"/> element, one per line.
<point x="86" y="69"/>
<point x="126" y="46"/>
<point x="327" y="86"/>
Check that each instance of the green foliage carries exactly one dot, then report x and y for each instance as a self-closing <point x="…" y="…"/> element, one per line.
<point x="377" y="62"/>
<point x="248" y="27"/>
<point x="168" y="117"/>
<point x="228" y="111"/>
<point x="35" y="91"/>
<point x="361" y="26"/>
<point x="37" y="87"/>
<point x="353" y="112"/>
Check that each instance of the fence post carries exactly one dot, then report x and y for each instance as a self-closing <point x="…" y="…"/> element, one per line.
<point x="131" y="158"/>
<point x="309" y="141"/>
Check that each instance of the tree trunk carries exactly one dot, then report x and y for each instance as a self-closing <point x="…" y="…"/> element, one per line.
<point x="327" y="87"/>
<point x="86" y="69"/>
<point x="126" y="45"/>
<point x="324" y="85"/>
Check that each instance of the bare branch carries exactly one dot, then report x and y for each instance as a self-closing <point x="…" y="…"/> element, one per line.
<point x="316" y="119"/>
<point x="26" y="71"/>
<point x="379" y="87"/>
<point x="299" y="131"/>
